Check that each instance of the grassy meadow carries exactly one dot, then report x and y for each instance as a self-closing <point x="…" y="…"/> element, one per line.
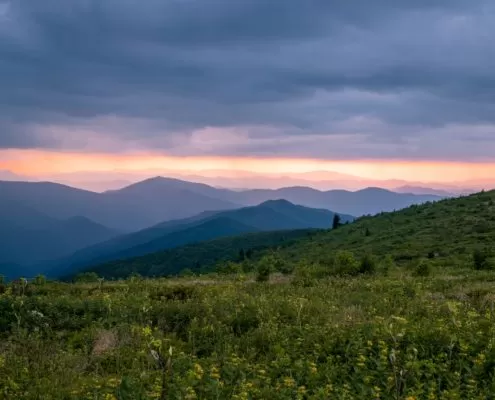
<point x="391" y="335"/>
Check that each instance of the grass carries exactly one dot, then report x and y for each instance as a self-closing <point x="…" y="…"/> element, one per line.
<point x="388" y="337"/>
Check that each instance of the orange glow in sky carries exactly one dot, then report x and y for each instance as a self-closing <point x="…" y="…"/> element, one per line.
<point x="36" y="163"/>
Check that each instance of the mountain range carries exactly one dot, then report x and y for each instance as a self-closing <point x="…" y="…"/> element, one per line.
<point x="444" y="234"/>
<point x="56" y="220"/>
<point x="272" y="215"/>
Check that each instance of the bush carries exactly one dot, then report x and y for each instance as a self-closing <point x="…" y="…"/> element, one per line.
<point x="39" y="280"/>
<point x="186" y="272"/>
<point x="230" y="268"/>
<point x="345" y="263"/>
<point x="264" y="269"/>
<point x="423" y="269"/>
<point x="481" y="260"/>
<point x="87" y="277"/>
<point x="367" y="265"/>
<point x="387" y="264"/>
<point x="304" y="276"/>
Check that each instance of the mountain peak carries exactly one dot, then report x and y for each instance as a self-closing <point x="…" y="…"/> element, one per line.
<point x="277" y="202"/>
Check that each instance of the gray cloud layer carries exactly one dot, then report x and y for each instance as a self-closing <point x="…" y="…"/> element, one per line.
<point x="322" y="78"/>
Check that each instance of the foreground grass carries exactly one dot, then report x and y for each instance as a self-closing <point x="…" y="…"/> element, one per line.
<point x="395" y="337"/>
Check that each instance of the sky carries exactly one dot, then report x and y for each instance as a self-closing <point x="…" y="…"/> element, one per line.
<point x="388" y="89"/>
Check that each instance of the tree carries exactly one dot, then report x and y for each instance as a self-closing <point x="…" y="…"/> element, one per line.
<point x="336" y="221"/>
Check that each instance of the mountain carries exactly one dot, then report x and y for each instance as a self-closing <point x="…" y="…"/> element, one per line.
<point x="424" y="190"/>
<point x="28" y="236"/>
<point x="361" y="202"/>
<point x="201" y="257"/>
<point x="273" y="215"/>
<point x="129" y="209"/>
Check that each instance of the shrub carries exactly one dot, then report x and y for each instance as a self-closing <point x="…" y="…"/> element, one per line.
<point x="39" y="280"/>
<point x="345" y="263"/>
<point x="264" y="269"/>
<point x="87" y="277"/>
<point x="387" y="264"/>
<point x="423" y="269"/>
<point x="303" y="276"/>
<point x="367" y="265"/>
<point x="286" y="268"/>
<point x="186" y="272"/>
<point x="230" y="268"/>
<point x="481" y="260"/>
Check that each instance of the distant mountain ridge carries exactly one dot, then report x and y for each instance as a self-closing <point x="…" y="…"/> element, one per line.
<point x="357" y="203"/>
<point x="153" y="200"/>
<point x="57" y="220"/>
<point x="129" y="209"/>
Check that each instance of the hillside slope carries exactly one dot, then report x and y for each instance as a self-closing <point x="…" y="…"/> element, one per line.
<point x="448" y="230"/>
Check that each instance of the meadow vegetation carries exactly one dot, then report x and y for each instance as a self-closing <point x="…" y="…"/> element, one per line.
<point x="369" y="336"/>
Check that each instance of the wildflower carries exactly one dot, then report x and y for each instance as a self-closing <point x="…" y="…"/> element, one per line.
<point x="289" y="382"/>
<point x="313" y="368"/>
<point x="190" y="394"/>
<point x="147" y="331"/>
<point x="361" y="361"/>
<point x="198" y="371"/>
<point x="214" y="373"/>
<point x="113" y="382"/>
<point x="480" y="359"/>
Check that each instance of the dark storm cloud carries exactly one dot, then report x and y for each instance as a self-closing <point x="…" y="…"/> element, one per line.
<point x="388" y="72"/>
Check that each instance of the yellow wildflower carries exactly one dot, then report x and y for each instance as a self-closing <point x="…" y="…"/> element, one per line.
<point x="198" y="371"/>
<point x="147" y="331"/>
<point x="289" y="382"/>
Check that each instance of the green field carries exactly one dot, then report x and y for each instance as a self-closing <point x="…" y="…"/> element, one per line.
<point x="368" y="337"/>
<point x="398" y="306"/>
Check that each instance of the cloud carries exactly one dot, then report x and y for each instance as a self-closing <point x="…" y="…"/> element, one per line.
<point x="316" y="78"/>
